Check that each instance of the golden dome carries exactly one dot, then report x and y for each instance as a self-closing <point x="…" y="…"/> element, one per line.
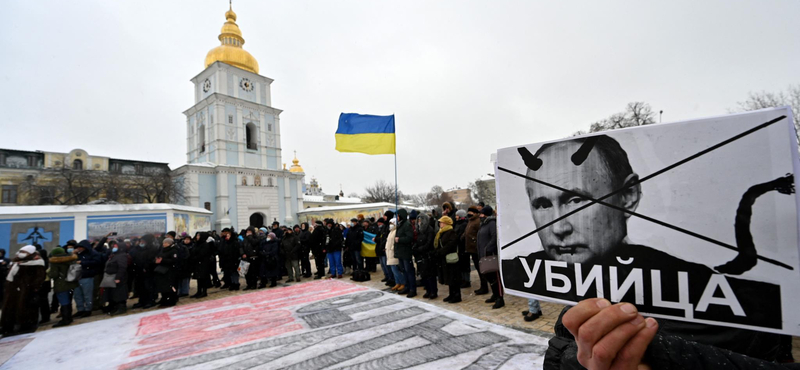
<point x="296" y="165"/>
<point x="230" y="51"/>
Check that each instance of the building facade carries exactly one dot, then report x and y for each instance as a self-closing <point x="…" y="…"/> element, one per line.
<point x="44" y="178"/>
<point x="233" y="142"/>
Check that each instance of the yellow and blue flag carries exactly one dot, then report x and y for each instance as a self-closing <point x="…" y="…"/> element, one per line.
<point x="363" y="133"/>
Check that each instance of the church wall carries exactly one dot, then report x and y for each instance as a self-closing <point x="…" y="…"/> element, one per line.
<point x="232" y="159"/>
<point x="230" y="110"/>
<point x="207" y="190"/>
<point x="264" y="88"/>
<point x="230" y="84"/>
<point x="272" y="159"/>
<point x="233" y="214"/>
<point x="252" y="160"/>
<point x="293" y="188"/>
<point x="281" y="203"/>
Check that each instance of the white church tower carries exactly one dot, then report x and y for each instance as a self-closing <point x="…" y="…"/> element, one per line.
<point x="233" y="142"/>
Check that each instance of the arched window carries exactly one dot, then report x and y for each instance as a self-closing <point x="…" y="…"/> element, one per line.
<point x="77" y="164"/>
<point x="252" y="136"/>
<point x="202" y="141"/>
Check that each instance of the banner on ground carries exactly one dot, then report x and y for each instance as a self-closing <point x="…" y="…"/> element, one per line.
<point x="693" y="221"/>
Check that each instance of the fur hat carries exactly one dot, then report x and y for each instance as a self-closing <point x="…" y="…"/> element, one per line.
<point x="446" y="220"/>
<point x="447" y="205"/>
<point x="474" y="209"/>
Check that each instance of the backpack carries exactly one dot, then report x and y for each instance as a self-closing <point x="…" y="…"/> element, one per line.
<point x="361" y="275"/>
<point x="74" y="273"/>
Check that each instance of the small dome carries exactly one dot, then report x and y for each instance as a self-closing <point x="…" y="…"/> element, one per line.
<point x="230" y="51"/>
<point x="296" y="165"/>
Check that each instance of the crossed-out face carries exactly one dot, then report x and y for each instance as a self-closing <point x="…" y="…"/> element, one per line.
<point x="590" y="233"/>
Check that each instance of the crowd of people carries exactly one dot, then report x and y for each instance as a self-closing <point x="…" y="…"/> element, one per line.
<point x="411" y="249"/>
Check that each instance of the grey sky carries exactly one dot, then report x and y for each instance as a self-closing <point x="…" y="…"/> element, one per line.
<point x="464" y="78"/>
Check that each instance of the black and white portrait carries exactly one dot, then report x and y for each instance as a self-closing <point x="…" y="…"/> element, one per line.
<point x="693" y="221"/>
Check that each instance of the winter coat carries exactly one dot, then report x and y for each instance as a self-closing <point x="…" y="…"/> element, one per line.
<point x="250" y="248"/>
<point x="91" y="263"/>
<point x="117" y="265"/>
<point x="201" y="258"/>
<point x="427" y="262"/>
<point x="291" y="247"/>
<point x="270" y="258"/>
<point x="487" y="237"/>
<point x="354" y="238"/>
<point x="682" y="345"/>
<point x="59" y="268"/>
<point x="448" y="243"/>
<point x="391" y="260"/>
<point x="335" y="240"/>
<point x="230" y="253"/>
<point x="463" y="260"/>
<point x="305" y="239"/>
<point x="380" y="240"/>
<point x="317" y="240"/>
<point x="20" y="297"/>
<point x="471" y="234"/>
<point x="169" y="259"/>
<point x="402" y="248"/>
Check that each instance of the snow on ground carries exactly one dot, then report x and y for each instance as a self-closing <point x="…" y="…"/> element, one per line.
<point x="324" y="324"/>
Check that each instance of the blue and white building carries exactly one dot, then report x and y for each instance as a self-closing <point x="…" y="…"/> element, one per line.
<point x="233" y="142"/>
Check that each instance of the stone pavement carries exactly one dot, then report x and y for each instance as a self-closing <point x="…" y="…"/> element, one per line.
<point x="471" y="305"/>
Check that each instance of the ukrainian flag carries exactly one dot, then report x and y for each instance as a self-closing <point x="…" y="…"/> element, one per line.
<point x="362" y="133"/>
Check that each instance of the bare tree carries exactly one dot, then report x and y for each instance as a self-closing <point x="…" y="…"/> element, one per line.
<point x="763" y="99"/>
<point x="437" y="196"/>
<point x="635" y="114"/>
<point x="483" y="191"/>
<point x="62" y="186"/>
<point x="156" y="185"/>
<point x="381" y="191"/>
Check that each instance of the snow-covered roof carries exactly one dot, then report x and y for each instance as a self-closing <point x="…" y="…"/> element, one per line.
<point x="98" y="208"/>
<point x="320" y="199"/>
<point x="486" y="178"/>
<point x="358" y="206"/>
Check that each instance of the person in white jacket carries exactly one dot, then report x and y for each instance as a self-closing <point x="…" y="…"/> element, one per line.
<point x="394" y="263"/>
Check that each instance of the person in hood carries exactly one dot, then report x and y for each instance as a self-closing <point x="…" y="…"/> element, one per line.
<point x="403" y="240"/>
<point x="487" y="246"/>
<point x="166" y="262"/>
<point x="427" y="262"/>
<point x="318" y="248"/>
<point x="333" y="247"/>
<point x="60" y="263"/>
<point x="24" y="279"/>
<point x="91" y="266"/>
<point x="270" y="261"/>
<point x="117" y="266"/>
<point x="143" y="261"/>
<point x="305" y="241"/>
<point x="201" y="263"/>
<point x="290" y="250"/>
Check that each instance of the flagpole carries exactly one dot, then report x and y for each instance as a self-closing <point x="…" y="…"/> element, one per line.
<point x="396" y="197"/>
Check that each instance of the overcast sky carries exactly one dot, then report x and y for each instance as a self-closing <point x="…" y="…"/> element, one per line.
<point x="463" y="78"/>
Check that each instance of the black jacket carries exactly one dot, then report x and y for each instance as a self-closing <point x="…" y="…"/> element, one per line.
<point x="291" y="247"/>
<point x="335" y="240"/>
<point x="354" y="238"/>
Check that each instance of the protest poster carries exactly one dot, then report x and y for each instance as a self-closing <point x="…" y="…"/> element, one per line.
<point x="692" y="221"/>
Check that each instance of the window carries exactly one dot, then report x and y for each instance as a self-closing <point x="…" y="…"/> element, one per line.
<point x="2" y="159"/>
<point x="269" y="127"/>
<point x="207" y="206"/>
<point x="31" y="161"/>
<point x="77" y="164"/>
<point x="9" y="194"/>
<point x="230" y="118"/>
<point x="116" y="167"/>
<point x="252" y="136"/>
<point x="202" y="132"/>
<point x="139" y="169"/>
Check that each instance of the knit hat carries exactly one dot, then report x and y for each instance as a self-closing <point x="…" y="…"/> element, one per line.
<point x="271" y="235"/>
<point x="185" y="235"/>
<point x="72" y="242"/>
<point x="413" y="215"/>
<point x="488" y="211"/>
<point x="58" y="251"/>
<point x="169" y="241"/>
<point x="446" y="220"/>
<point x="389" y="214"/>
<point x="264" y="230"/>
<point x="354" y="220"/>
<point x="474" y="209"/>
<point x="29" y="249"/>
<point x="461" y="213"/>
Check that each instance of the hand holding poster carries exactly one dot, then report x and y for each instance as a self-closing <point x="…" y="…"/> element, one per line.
<point x="693" y="221"/>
